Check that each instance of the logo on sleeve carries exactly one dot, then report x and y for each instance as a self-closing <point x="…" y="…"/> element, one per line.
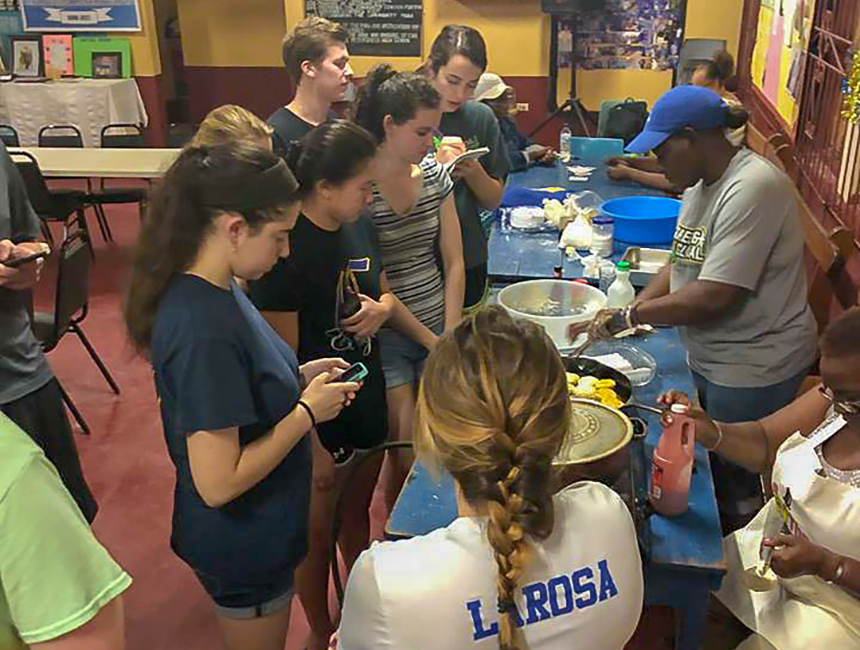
<point x="690" y="245"/>
<point x="361" y="265"/>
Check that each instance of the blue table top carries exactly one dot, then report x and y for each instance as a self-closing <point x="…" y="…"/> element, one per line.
<point x="690" y="541"/>
<point x="521" y="256"/>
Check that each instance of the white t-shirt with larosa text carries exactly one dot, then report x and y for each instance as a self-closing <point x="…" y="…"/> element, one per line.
<point x="582" y="590"/>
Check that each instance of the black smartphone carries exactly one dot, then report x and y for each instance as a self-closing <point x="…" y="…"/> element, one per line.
<point x="356" y="372"/>
<point x="21" y="261"/>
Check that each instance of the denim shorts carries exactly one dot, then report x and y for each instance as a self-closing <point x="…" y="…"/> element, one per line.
<point x="402" y="358"/>
<point x="242" y="602"/>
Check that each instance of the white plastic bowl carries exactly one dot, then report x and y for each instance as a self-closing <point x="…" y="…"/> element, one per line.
<point x="573" y="302"/>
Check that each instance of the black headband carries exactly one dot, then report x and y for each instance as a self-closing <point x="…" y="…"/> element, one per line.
<point x="269" y="188"/>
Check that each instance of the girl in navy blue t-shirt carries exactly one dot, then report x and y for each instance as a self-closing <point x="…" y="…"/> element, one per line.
<point x="331" y="297"/>
<point x="234" y="411"/>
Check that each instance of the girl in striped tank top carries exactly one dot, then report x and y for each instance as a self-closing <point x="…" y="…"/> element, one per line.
<point x="419" y="235"/>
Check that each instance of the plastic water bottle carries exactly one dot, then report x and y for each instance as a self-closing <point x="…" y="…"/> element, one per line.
<point x="564" y="142"/>
<point x="621" y="292"/>
<point x="672" y="464"/>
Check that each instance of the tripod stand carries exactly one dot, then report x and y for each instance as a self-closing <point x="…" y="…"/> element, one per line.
<point x="572" y="103"/>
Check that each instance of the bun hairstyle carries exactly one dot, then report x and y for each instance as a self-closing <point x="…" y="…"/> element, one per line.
<point x="202" y="183"/>
<point x="721" y="70"/>
<point x="333" y="152"/>
<point x="493" y="409"/>
<point x="736" y="117"/>
<point x="453" y="40"/>
<point x="398" y="94"/>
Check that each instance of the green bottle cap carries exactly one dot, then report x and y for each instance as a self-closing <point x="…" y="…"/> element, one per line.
<point x="623" y="266"/>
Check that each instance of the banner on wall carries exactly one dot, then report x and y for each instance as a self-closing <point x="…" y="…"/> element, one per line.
<point x="80" y="15"/>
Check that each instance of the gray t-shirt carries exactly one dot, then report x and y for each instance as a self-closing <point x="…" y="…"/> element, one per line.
<point x="477" y="125"/>
<point x="744" y="231"/>
<point x="23" y="367"/>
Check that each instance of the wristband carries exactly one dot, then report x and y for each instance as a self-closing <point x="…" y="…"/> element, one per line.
<point x="307" y="408"/>
<point x="719" y="436"/>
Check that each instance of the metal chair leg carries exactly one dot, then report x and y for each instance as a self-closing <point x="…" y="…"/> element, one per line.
<point x="47" y="234"/>
<point x="67" y="400"/>
<point x="106" y="222"/>
<point x="100" y="222"/>
<point x="81" y="221"/>
<point x="95" y="357"/>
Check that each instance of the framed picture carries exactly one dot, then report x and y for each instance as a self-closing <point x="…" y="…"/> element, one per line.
<point x="58" y="54"/>
<point x="27" y="56"/>
<point x="107" y="65"/>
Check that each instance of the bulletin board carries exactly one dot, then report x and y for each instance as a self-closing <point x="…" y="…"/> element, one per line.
<point x="627" y="34"/>
<point x="631" y="48"/>
<point x="779" y="60"/>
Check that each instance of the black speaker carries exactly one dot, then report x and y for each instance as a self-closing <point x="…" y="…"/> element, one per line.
<point x="567" y="7"/>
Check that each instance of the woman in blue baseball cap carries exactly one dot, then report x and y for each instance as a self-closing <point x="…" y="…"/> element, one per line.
<point x="736" y="284"/>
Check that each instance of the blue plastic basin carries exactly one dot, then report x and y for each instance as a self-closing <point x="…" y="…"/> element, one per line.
<point x="643" y="219"/>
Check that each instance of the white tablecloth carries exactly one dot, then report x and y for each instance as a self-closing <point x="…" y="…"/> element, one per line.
<point x="89" y="104"/>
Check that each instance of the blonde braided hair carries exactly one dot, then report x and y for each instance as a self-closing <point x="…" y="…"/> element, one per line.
<point x="493" y="409"/>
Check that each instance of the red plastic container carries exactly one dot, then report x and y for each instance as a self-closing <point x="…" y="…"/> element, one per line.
<point x="672" y="464"/>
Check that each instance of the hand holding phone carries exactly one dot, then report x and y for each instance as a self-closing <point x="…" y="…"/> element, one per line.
<point x="355" y="373"/>
<point x="18" y="262"/>
<point x="20" y="267"/>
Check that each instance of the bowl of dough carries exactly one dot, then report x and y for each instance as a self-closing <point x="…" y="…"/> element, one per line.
<point x="553" y="304"/>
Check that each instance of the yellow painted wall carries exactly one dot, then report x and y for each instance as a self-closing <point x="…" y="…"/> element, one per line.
<point x="220" y="33"/>
<point x="249" y="34"/>
<point x="145" y="52"/>
<point x="715" y="19"/>
<point x="516" y="30"/>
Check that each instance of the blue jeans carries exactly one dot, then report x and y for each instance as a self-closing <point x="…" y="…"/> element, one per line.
<point x="739" y="491"/>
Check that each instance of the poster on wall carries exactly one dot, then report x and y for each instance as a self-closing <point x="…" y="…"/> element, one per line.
<point x="80" y="15"/>
<point x="376" y="27"/>
<point x="627" y="34"/>
<point x="784" y="30"/>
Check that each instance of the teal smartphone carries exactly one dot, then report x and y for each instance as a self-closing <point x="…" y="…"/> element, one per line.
<point x="356" y="372"/>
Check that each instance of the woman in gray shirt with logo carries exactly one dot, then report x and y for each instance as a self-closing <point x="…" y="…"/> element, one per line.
<point x="736" y="285"/>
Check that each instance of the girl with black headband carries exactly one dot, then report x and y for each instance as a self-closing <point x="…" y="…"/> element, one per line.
<point x="232" y="396"/>
<point x="330" y="298"/>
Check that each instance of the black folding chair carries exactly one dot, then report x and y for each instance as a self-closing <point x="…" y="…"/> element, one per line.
<point x="66" y="136"/>
<point x="119" y="136"/>
<point x="9" y="136"/>
<point x="66" y="207"/>
<point x="71" y="306"/>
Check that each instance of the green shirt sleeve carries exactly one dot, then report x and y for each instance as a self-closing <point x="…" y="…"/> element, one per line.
<point x="54" y="574"/>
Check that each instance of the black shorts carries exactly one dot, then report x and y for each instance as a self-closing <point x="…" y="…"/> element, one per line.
<point x="240" y="601"/>
<point x="476" y="286"/>
<point x="42" y="416"/>
<point x="353" y="430"/>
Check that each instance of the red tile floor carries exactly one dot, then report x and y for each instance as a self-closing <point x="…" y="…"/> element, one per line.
<point x="126" y="463"/>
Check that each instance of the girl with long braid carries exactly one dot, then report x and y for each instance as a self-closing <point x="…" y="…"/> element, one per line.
<point x="537" y="570"/>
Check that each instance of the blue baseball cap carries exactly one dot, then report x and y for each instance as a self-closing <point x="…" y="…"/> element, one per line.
<point x="683" y="107"/>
